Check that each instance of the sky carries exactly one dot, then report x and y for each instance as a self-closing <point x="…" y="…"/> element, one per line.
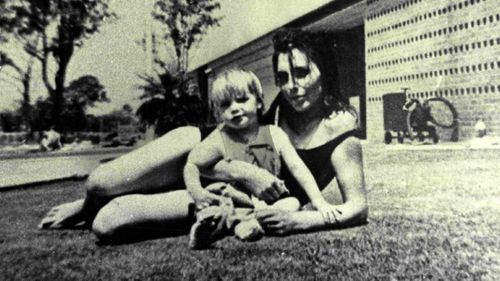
<point x="114" y="57"/>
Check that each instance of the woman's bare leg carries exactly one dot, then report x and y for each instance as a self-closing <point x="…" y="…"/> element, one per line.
<point x="138" y="216"/>
<point x="155" y="167"/>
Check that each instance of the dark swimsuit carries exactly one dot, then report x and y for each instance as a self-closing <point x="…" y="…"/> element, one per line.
<point x="317" y="159"/>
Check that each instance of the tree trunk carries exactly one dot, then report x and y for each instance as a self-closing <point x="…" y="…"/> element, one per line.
<point x="182" y="60"/>
<point x="26" y="106"/>
<point x="64" y="52"/>
<point x="58" y="95"/>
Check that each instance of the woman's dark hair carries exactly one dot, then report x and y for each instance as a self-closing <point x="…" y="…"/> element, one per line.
<point x="320" y="48"/>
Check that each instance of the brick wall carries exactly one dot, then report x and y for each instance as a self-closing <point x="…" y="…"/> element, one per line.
<point x="437" y="48"/>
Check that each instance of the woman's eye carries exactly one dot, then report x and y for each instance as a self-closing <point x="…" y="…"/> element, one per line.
<point x="300" y="72"/>
<point x="282" y="78"/>
<point x="224" y="104"/>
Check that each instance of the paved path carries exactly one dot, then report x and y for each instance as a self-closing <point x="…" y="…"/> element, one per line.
<point x="21" y="171"/>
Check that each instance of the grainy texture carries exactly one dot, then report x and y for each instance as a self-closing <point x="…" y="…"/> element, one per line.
<point x="434" y="215"/>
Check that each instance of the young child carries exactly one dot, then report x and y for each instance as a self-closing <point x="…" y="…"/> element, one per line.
<point x="236" y="97"/>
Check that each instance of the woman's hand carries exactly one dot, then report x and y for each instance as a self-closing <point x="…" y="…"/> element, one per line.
<point x="329" y="212"/>
<point x="277" y="222"/>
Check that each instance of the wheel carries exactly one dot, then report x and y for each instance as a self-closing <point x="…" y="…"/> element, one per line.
<point x="443" y="113"/>
<point x="433" y="134"/>
<point x="435" y="138"/>
<point x="387" y="137"/>
<point x="420" y="136"/>
<point x="401" y="137"/>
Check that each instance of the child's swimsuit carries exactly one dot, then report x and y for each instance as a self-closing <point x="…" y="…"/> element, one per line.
<point x="260" y="152"/>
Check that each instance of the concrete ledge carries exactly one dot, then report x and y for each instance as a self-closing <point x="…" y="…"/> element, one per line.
<point x="22" y="171"/>
<point x="26" y="155"/>
<point x="43" y="182"/>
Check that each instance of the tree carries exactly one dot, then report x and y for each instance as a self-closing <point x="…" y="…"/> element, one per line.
<point x="85" y="92"/>
<point x="81" y="93"/>
<point x="24" y="76"/>
<point x="169" y="102"/>
<point x="3" y="21"/>
<point x="186" y="21"/>
<point x="24" y="73"/>
<point x="63" y="25"/>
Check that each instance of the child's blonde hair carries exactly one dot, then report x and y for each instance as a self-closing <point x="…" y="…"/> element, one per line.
<point x="233" y="84"/>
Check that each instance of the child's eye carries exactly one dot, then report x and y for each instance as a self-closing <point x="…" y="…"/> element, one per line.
<point x="242" y="99"/>
<point x="224" y="104"/>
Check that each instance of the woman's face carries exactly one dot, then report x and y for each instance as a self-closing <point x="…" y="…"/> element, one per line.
<point x="299" y="79"/>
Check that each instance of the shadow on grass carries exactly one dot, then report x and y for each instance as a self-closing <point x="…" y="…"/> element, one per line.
<point x="144" y="232"/>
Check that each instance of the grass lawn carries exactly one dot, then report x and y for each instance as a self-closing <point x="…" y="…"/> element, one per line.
<point x="434" y="215"/>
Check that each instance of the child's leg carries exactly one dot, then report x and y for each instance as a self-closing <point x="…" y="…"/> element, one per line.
<point x="286" y="204"/>
<point x="240" y="199"/>
<point x="249" y="229"/>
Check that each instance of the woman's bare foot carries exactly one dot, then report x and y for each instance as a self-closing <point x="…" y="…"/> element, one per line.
<point x="67" y="215"/>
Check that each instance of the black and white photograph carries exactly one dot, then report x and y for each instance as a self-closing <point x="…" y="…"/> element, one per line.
<point x="249" y="140"/>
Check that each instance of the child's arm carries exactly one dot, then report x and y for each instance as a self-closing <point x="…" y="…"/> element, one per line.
<point x="203" y="156"/>
<point x="301" y="173"/>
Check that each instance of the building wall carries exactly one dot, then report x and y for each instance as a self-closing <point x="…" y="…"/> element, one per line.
<point x="437" y="48"/>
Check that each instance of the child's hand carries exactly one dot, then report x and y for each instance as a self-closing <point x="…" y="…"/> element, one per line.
<point x="328" y="211"/>
<point x="205" y="199"/>
<point x="279" y="184"/>
<point x="265" y="186"/>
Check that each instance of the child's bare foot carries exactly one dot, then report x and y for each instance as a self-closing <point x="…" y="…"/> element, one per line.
<point x="211" y="225"/>
<point x="249" y="230"/>
<point x="63" y="216"/>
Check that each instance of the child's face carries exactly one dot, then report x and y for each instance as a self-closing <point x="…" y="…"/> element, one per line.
<point x="239" y="112"/>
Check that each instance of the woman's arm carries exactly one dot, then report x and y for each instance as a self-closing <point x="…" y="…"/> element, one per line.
<point x="300" y="171"/>
<point x="347" y="160"/>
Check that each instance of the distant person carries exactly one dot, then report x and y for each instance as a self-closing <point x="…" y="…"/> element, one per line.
<point x="237" y="100"/>
<point x="480" y="128"/>
<point x="51" y="140"/>
<point x="420" y="118"/>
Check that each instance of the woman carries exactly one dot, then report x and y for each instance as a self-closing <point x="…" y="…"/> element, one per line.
<point x="309" y="109"/>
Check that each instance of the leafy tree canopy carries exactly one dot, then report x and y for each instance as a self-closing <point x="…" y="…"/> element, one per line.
<point x="85" y="91"/>
<point x="186" y="21"/>
<point x="60" y="26"/>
